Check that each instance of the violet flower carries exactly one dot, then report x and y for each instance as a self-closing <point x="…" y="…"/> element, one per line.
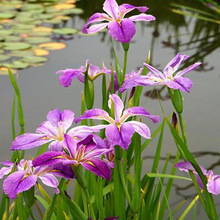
<point x="86" y="153"/>
<point x="120" y="28"/>
<point x="26" y="176"/>
<point x="213" y="181"/>
<point x="119" y="132"/>
<point x="52" y="131"/>
<point x="169" y="77"/>
<point x="93" y="72"/>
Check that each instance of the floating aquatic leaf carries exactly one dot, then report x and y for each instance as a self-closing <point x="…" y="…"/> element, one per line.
<point x="6" y="15"/>
<point x="37" y="40"/>
<point x="16" y="46"/>
<point x="62" y="17"/>
<point x="73" y="11"/>
<point x="23" y="26"/>
<point x="52" y="46"/>
<point x="53" y="21"/>
<point x="68" y="31"/>
<point x="35" y="59"/>
<point x="31" y="6"/>
<point x="42" y="29"/>
<point x="22" y="53"/>
<point x="12" y="38"/>
<point x="4" y="71"/>
<point x="4" y="57"/>
<point x="5" y="32"/>
<point x="41" y="52"/>
<point x="19" y="64"/>
<point x="64" y="6"/>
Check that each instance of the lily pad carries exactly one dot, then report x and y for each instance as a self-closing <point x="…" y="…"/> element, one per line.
<point x="12" y="38"/>
<point x="5" y="32"/>
<point x="16" y="46"/>
<point x="4" y="57"/>
<point x="43" y="29"/>
<point x="41" y="52"/>
<point x="73" y="11"/>
<point x="37" y="40"/>
<point x="19" y="64"/>
<point x="35" y="59"/>
<point x="52" y="46"/>
<point x="4" y="71"/>
<point x="22" y="53"/>
<point x="63" y="18"/>
<point x="68" y="31"/>
<point x="6" y="15"/>
<point x="64" y="6"/>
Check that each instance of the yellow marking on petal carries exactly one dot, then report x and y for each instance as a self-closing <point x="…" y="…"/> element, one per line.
<point x="89" y="162"/>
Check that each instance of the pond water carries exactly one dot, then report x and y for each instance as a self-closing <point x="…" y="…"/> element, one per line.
<point x="169" y="34"/>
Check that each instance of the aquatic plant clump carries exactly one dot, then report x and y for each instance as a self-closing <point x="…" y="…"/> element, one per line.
<point x="105" y="160"/>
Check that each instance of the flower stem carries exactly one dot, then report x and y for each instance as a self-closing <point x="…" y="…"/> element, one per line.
<point x="182" y="128"/>
<point x="125" y="65"/>
<point x="82" y="182"/>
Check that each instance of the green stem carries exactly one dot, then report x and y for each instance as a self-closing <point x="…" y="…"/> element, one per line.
<point x="7" y="208"/>
<point x="119" y="196"/>
<point x="136" y="197"/>
<point x="82" y="182"/>
<point x="125" y="65"/>
<point x="182" y="128"/>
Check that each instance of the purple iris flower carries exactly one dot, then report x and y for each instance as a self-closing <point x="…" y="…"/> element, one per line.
<point x="93" y="72"/>
<point x="169" y="77"/>
<point x="26" y="176"/>
<point x="52" y="131"/>
<point x="213" y="181"/>
<point x="86" y="153"/>
<point x="120" y="28"/>
<point x="119" y="132"/>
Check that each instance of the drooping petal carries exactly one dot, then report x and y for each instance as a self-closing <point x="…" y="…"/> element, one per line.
<point x="185" y="83"/>
<point x="64" y="171"/>
<point x="100" y="168"/>
<point x="49" y="158"/>
<point x="68" y="75"/>
<point x="174" y="64"/>
<point x="140" y="128"/>
<point x="155" y="71"/>
<point x="95" y="113"/>
<point x="96" y="27"/>
<point x="122" y="137"/>
<point x="50" y="180"/>
<point x="136" y="81"/>
<point x="213" y="185"/>
<point x="142" y="17"/>
<point x="122" y="32"/>
<point x="97" y="17"/>
<point x="28" y="141"/>
<point x="5" y="171"/>
<point x="17" y="182"/>
<point x="126" y="8"/>
<point x="117" y="105"/>
<point x="111" y="7"/>
<point x="172" y="84"/>
<point x="186" y="166"/>
<point x="188" y="69"/>
<point x="140" y="111"/>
